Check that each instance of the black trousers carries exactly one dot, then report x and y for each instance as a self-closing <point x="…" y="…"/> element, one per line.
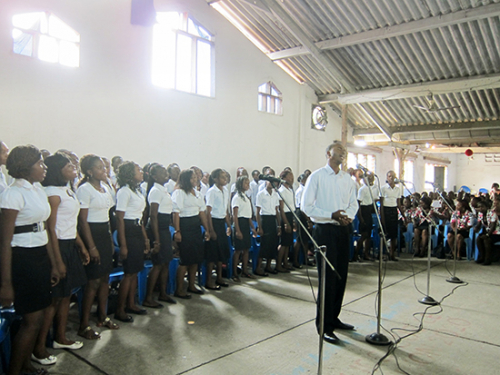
<point x="336" y="239"/>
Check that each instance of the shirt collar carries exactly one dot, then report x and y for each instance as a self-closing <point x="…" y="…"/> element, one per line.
<point x="331" y="171"/>
<point x="21" y="182"/>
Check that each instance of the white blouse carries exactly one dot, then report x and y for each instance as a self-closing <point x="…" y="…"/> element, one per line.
<point x="130" y="202"/>
<point x="170" y="186"/>
<point x="244" y="206"/>
<point x="288" y="197"/>
<point x="67" y="212"/>
<point x="218" y="200"/>
<point x="364" y="197"/>
<point x="33" y="207"/>
<point x="188" y="205"/>
<point x="390" y="195"/>
<point x="159" y="194"/>
<point x="298" y="195"/>
<point x="267" y="202"/>
<point x="3" y="181"/>
<point x="98" y="203"/>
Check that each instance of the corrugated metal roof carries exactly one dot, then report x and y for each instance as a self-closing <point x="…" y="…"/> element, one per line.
<point x="464" y="49"/>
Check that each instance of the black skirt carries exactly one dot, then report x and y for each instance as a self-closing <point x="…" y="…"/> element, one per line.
<point x="165" y="255"/>
<point x="218" y="250"/>
<point x="135" y="246"/>
<point x="366" y="214"/>
<point x="391" y="222"/>
<point x="75" y="272"/>
<point x="102" y="240"/>
<point x="463" y="232"/>
<point x="303" y="237"/>
<point x="31" y="271"/>
<point x="287" y="238"/>
<point x="246" y="242"/>
<point x="191" y="248"/>
<point x="269" y="240"/>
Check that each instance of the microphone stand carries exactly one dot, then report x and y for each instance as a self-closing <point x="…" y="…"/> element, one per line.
<point x="378" y="338"/>
<point x="322" y="251"/>
<point x="453" y="278"/>
<point x="428" y="300"/>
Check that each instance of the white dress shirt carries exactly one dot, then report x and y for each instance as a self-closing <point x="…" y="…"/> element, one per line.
<point x="171" y="186"/>
<point x="288" y="197"/>
<point x="267" y="202"/>
<point x="67" y="212"/>
<point x="298" y="195"/>
<point x="98" y="203"/>
<point x="244" y="206"/>
<point x="188" y="205"/>
<point x="159" y="194"/>
<point x="254" y="190"/>
<point x="390" y="195"/>
<point x="130" y="202"/>
<point x="3" y="182"/>
<point x="33" y="207"/>
<point x="364" y="196"/>
<point x="218" y="200"/>
<point x="327" y="192"/>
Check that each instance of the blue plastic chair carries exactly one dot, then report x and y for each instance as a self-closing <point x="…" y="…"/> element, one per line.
<point x="484" y="191"/>
<point x="465" y="188"/>
<point x="408" y="235"/>
<point x="6" y="318"/>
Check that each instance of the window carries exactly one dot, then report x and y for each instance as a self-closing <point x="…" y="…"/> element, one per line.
<point x="183" y="54"/>
<point x="437" y="174"/>
<point x="44" y="36"/>
<point x="367" y="161"/>
<point x="270" y="99"/>
<point x="408" y="165"/>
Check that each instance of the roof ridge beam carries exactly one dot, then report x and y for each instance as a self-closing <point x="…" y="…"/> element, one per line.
<point x="467" y="15"/>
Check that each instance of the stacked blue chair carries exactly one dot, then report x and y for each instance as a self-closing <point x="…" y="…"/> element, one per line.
<point x="7" y="316"/>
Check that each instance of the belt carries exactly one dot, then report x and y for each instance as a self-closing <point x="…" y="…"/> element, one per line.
<point x="136" y="222"/>
<point x="37" y="227"/>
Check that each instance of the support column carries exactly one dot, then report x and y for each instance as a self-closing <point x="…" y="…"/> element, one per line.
<point x="345" y="127"/>
<point x="401" y="155"/>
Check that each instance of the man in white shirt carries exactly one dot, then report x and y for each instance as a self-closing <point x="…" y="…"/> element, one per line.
<point x="329" y="199"/>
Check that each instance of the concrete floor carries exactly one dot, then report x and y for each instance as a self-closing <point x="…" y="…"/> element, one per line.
<point x="266" y="326"/>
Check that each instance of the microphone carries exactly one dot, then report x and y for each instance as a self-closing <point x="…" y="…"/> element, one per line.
<point x="271" y="179"/>
<point x="364" y="169"/>
<point x="397" y="181"/>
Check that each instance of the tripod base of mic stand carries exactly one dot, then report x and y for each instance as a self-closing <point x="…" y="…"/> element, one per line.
<point x="428" y="300"/>
<point x="377" y="339"/>
<point x="454" y="280"/>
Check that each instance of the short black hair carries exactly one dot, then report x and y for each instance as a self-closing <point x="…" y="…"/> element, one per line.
<point x="55" y="163"/>
<point x="126" y="175"/>
<point x="21" y="159"/>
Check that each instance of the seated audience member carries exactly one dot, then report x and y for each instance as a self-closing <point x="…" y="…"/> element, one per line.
<point x="461" y="221"/>
<point x="189" y="213"/>
<point x="28" y="266"/>
<point x="68" y="248"/>
<point x="422" y="219"/>
<point x="96" y="201"/>
<point x="132" y="238"/>
<point x="492" y="233"/>
<point x="242" y="219"/>
<point x="482" y="229"/>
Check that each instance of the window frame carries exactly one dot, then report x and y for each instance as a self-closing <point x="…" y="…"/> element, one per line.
<point x="371" y="165"/>
<point x="194" y="68"/>
<point x="36" y="36"/>
<point x="268" y="97"/>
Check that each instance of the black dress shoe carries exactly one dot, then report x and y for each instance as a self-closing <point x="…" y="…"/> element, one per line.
<point x="136" y="312"/>
<point x="195" y="291"/>
<point x="340" y="325"/>
<point x="331" y="338"/>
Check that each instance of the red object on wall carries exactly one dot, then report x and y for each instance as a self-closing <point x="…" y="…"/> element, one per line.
<point x="469" y="152"/>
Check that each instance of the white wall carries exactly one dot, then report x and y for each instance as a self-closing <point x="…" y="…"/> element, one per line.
<point x="476" y="173"/>
<point x="108" y="106"/>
